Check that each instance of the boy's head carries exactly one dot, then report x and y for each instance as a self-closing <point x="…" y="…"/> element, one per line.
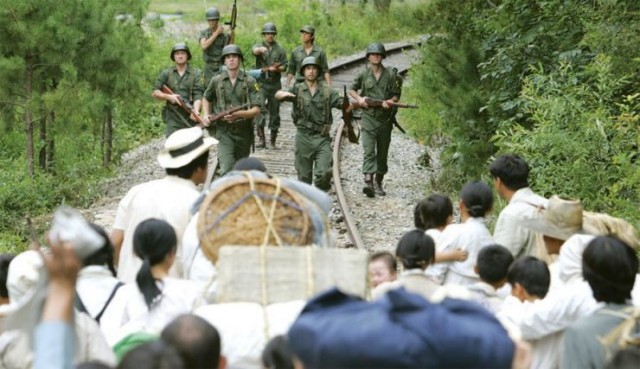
<point x="529" y="278"/>
<point x="382" y="268"/>
<point x="492" y="265"/>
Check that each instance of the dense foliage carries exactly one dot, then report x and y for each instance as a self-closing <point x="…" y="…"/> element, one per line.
<point x="555" y="81"/>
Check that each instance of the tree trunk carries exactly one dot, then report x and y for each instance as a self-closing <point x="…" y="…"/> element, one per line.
<point x="28" y="115"/>
<point x="106" y="141"/>
<point x="42" y="153"/>
<point x="50" y="141"/>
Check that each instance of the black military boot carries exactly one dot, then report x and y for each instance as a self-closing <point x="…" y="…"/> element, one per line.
<point x="261" y="140"/>
<point x="368" y="188"/>
<point x="272" y="142"/>
<point x="378" y="185"/>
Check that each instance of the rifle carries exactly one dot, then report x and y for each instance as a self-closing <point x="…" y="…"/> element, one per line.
<point x="375" y="103"/>
<point x="217" y="117"/>
<point x="232" y="24"/>
<point x="347" y="117"/>
<point x="185" y="105"/>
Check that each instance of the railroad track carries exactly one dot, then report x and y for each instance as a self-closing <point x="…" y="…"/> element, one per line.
<point x="280" y="162"/>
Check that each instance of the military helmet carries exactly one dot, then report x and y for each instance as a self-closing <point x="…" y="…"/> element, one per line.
<point x="231" y="49"/>
<point x="309" y="60"/>
<point x="308" y="29"/>
<point x="376" y="48"/>
<point x="269" y="28"/>
<point x="212" y="14"/>
<point x="180" y="46"/>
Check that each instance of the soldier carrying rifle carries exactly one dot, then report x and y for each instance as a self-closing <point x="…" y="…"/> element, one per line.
<point x="271" y="60"/>
<point x="181" y="86"/>
<point x="381" y="83"/>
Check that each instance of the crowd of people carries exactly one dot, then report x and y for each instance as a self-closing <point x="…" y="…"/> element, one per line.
<point x="552" y="286"/>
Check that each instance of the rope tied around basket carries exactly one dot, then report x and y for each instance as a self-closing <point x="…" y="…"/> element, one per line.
<point x="269" y="229"/>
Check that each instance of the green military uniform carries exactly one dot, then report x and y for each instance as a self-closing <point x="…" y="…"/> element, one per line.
<point x="190" y="86"/>
<point x="234" y="138"/>
<point x="270" y="83"/>
<point x="377" y="123"/>
<point x="212" y="55"/>
<point x="297" y="56"/>
<point x="313" y="119"/>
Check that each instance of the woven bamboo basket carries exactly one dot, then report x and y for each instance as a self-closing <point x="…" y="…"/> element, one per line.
<point x="252" y="212"/>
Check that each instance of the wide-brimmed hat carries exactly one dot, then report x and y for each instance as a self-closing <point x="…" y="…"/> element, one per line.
<point x="561" y="219"/>
<point x="183" y="146"/>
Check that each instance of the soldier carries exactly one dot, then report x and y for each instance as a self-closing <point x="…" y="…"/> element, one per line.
<point x="228" y="89"/>
<point x="307" y="34"/>
<point x="212" y="40"/>
<point x="186" y="82"/>
<point x="384" y="83"/>
<point x="312" y="103"/>
<point x="271" y="59"/>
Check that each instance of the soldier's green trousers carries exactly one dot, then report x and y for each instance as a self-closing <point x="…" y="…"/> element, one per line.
<point x="375" y="144"/>
<point x="234" y="144"/>
<point x="272" y="107"/>
<point x="313" y="160"/>
<point x="210" y="70"/>
<point x="175" y="119"/>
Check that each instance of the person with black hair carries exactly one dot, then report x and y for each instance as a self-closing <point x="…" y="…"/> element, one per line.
<point x="471" y="235"/>
<point x="383" y="267"/>
<point x="152" y="355"/>
<point x="529" y="278"/>
<point x="156" y="298"/>
<point x="609" y="266"/>
<point x="277" y="354"/>
<point x="433" y="215"/>
<point x="185" y="159"/>
<point x="511" y="180"/>
<point x="197" y="342"/>
<point x="97" y="285"/>
<point x="415" y="251"/>
<point x="492" y="265"/>
<point x="5" y="307"/>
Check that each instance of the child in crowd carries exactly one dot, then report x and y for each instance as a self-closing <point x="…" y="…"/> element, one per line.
<point x="476" y="201"/>
<point x="492" y="266"/>
<point x="432" y="215"/>
<point x="155" y="299"/>
<point x="530" y="279"/>
<point x="382" y="268"/>
<point x="416" y="252"/>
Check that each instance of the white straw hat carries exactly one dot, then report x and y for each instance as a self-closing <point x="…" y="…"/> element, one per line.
<point x="183" y="146"/>
<point x="561" y="219"/>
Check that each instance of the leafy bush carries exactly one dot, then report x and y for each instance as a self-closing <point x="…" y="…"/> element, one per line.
<point x="585" y="137"/>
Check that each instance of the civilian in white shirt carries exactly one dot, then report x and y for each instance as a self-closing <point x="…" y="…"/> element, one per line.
<point x="97" y="285"/>
<point x="156" y="298"/>
<point x="545" y="320"/>
<point x="432" y="215"/>
<point x="492" y="266"/>
<point x="185" y="158"/>
<point x="511" y="181"/>
<point x="476" y="201"/>
<point x="529" y="279"/>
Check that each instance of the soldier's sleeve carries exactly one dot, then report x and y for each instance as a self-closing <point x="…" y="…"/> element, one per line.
<point x="293" y="68"/>
<point x="396" y="83"/>
<point x="336" y="100"/>
<point x="254" y="92"/>
<point x="210" y="91"/>
<point x="198" y="88"/>
<point x="356" y="85"/>
<point x="282" y="58"/>
<point x="162" y="80"/>
<point x="324" y="64"/>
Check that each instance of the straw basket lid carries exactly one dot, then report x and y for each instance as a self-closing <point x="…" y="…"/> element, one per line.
<point x="253" y="211"/>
